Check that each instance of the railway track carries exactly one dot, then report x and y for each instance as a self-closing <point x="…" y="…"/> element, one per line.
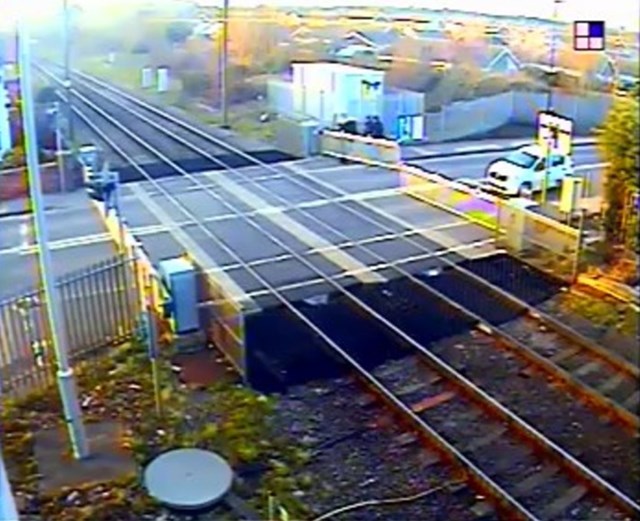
<point x="590" y="481"/>
<point x="587" y="370"/>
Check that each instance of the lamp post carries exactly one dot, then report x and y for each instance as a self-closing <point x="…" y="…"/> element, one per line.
<point x="224" y="84"/>
<point x="549" y="107"/>
<point x="66" y="39"/>
<point x="65" y="377"/>
<point x="55" y="110"/>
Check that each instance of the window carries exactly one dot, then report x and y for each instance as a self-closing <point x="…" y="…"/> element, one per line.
<point x="557" y="160"/>
<point x="522" y="159"/>
<point x="498" y="177"/>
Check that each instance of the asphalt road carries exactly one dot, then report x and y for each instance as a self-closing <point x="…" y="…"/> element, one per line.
<point x="305" y="205"/>
<point x="585" y="159"/>
<point x="77" y="240"/>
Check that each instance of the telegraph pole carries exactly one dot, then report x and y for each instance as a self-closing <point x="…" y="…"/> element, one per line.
<point x="552" y="65"/>
<point x="66" y="380"/>
<point x="66" y="39"/>
<point x="224" y="86"/>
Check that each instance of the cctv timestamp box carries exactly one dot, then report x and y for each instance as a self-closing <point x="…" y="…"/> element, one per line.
<point x="588" y="35"/>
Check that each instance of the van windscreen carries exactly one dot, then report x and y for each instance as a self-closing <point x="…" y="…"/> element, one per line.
<point x="521" y="159"/>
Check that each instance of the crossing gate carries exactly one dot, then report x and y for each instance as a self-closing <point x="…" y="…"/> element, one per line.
<point x="374" y="152"/>
<point x="100" y="306"/>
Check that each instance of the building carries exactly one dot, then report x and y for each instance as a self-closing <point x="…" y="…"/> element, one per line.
<point x="326" y="91"/>
<point x="7" y="69"/>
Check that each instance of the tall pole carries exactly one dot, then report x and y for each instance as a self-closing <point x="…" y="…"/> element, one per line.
<point x="66" y="38"/>
<point x="61" y="171"/>
<point x="66" y="380"/>
<point x="552" y="65"/>
<point x="224" y="66"/>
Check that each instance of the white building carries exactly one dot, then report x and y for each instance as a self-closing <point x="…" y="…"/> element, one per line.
<point x="326" y="91"/>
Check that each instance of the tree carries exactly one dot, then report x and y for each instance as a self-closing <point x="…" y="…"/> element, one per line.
<point x="619" y="146"/>
<point x="195" y="83"/>
<point x="250" y="41"/>
<point x="178" y="32"/>
<point x="407" y="69"/>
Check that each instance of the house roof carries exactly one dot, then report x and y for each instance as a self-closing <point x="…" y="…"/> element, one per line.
<point x="382" y="38"/>
<point x="481" y="55"/>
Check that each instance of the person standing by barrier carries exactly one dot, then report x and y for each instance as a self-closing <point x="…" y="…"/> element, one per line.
<point x="377" y="128"/>
<point x="368" y="127"/>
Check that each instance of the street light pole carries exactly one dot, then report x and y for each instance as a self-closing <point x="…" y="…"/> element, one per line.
<point x="549" y="107"/>
<point x="224" y="87"/>
<point x="66" y="38"/>
<point x="59" y="160"/>
<point x="66" y="380"/>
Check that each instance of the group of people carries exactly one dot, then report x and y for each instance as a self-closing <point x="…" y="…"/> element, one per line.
<point x="372" y="127"/>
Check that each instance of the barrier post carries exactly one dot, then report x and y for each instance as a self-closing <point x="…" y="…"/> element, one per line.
<point x="578" y="253"/>
<point x="498" y="220"/>
<point x="152" y="344"/>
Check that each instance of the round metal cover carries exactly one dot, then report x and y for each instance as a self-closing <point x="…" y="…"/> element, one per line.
<point x="188" y="479"/>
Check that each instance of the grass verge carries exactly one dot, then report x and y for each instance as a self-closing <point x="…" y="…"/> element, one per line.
<point x="228" y="418"/>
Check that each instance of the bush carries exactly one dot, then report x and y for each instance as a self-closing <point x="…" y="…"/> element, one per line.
<point x="492" y="85"/>
<point x="195" y="84"/>
<point x="528" y="85"/>
<point x="141" y="48"/>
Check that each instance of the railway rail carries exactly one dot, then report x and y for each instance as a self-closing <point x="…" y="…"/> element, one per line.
<point x="514" y="426"/>
<point x="589" y="371"/>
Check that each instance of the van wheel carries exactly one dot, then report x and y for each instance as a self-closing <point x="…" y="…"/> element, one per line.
<point x="525" y="190"/>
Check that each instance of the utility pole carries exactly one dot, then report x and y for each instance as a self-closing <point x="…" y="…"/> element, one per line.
<point x="224" y="72"/>
<point x="66" y="39"/>
<point x="552" y="65"/>
<point x="65" y="377"/>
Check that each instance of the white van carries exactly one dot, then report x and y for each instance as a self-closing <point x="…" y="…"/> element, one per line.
<point x="522" y="172"/>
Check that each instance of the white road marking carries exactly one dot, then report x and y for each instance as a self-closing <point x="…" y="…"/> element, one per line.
<point x="428" y="233"/>
<point x="302" y="233"/>
<point x="203" y="258"/>
<point x="378" y="267"/>
<point x="477" y="148"/>
<point x="25" y="235"/>
<point x="592" y="165"/>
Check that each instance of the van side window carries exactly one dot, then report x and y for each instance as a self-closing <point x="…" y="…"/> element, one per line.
<point x="557" y="160"/>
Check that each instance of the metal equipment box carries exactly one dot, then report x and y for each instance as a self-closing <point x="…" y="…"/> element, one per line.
<point x="180" y="278"/>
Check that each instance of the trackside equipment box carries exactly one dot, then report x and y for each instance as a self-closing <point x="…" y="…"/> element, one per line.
<point x="179" y="277"/>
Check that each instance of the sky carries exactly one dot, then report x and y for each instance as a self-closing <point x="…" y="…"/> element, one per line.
<point x="613" y="12"/>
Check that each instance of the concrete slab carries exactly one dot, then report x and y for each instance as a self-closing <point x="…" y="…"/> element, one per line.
<point x="108" y="460"/>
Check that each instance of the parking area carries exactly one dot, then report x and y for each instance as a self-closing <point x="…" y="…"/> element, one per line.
<point x="299" y="227"/>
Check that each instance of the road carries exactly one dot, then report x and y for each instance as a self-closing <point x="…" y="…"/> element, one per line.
<point x="305" y="205"/>
<point x="473" y="166"/>
<point x="77" y="239"/>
